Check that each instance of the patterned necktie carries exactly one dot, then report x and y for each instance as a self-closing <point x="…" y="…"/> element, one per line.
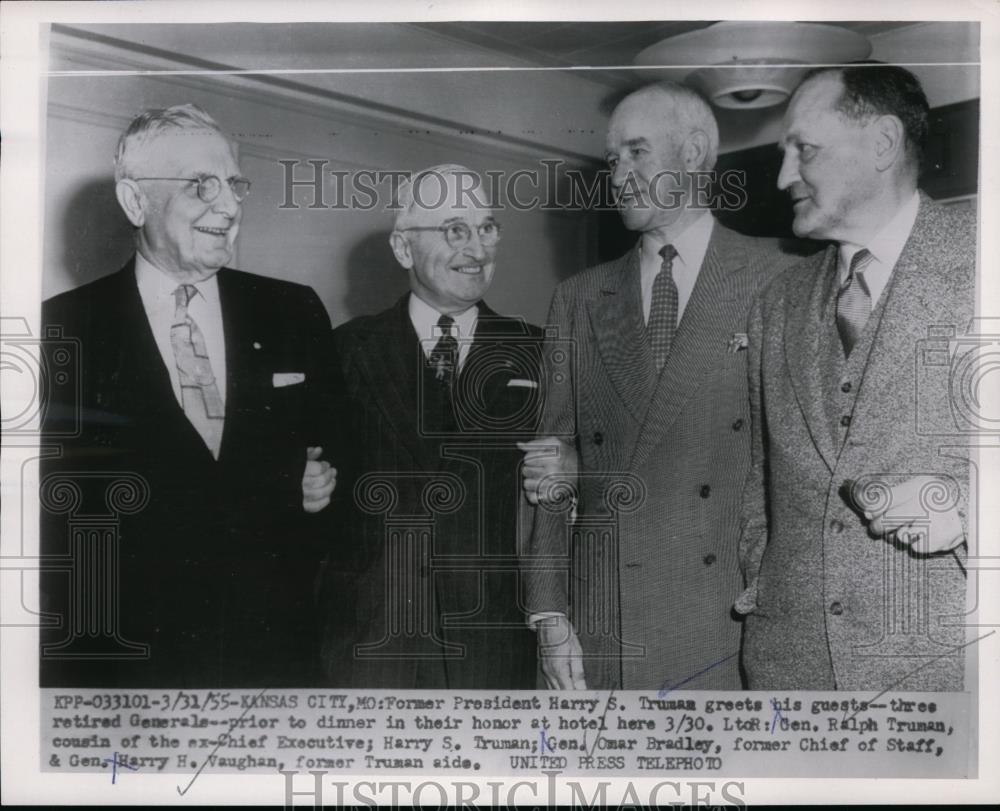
<point x="444" y="355"/>
<point x="199" y="392"/>
<point x="854" y="302"/>
<point x="662" y="324"/>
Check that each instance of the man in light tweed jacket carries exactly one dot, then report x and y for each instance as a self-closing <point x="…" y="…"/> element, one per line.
<point x="650" y="395"/>
<point x="856" y="512"/>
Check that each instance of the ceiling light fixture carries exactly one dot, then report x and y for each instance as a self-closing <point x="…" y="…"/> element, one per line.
<point x="744" y="65"/>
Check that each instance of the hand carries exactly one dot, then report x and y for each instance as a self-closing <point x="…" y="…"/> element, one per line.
<point x="940" y="531"/>
<point x="551" y="461"/>
<point x="560" y="653"/>
<point x="318" y="481"/>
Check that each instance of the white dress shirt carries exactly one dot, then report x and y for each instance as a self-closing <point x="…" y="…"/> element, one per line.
<point x="691" y="246"/>
<point x="156" y="289"/>
<point x="885" y="248"/>
<point x="425" y="318"/>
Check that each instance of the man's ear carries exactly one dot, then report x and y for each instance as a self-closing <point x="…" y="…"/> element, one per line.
<point x="132" y="201"/>
<point x="695" y="150"/>
<point x="401" y="249"/>
<point x="890" y="141"/>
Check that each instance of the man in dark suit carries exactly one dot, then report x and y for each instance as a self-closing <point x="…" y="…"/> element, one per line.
<point x="637" y="592"/>
<point x="856" y="512"/>
<point x="422" y="589"/>
<point x="177" y="550"/>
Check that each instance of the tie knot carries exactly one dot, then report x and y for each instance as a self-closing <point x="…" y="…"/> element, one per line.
<point x="445" y="323"/>
<point x="184" y="294"/>
<point x="668" y="252"/>
<point x="860" y="260"/>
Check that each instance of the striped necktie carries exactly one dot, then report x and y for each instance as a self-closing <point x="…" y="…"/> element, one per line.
<point x="662" y="324"/>
<point x="200" y="397"/>
<point x="854" y="302"/>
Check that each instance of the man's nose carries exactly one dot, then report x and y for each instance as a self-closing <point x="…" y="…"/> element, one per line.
<point x="226" y="203"/>
<point x="789" y="170"/>
<point x="475" y="247"/>
<point x="618" y="174"/>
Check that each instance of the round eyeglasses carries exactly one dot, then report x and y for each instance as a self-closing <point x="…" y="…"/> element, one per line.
<point x="210" y="186"/>
<point x="458" y="234"/>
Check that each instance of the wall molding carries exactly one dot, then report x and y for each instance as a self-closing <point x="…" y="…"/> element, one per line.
<point x="92" y="52"/>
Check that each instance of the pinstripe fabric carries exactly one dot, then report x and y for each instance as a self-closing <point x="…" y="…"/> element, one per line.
<point x="427" y="557"/>
<point x="831" y="606"/>
<point x="650" y="584"/>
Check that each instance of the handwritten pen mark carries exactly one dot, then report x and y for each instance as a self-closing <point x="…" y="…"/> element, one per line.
<point x="777" y="714"/>
<point x="600" y="726"/>
<point x="544" y="743"/>
<point x="666" y="689"/>
<point x="115" y="763"/>
<point x="232" y="726"/>
<point x="915" y="670"/>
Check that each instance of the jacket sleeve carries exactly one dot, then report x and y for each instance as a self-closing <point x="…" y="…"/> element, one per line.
<point x="753" y="515"/>
<point x="545" y="558"/>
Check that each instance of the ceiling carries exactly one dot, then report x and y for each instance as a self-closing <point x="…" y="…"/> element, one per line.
<point x="562" y="44"/>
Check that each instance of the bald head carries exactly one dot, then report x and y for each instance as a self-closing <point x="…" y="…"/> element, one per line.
<point x="658" y="137"/>
<point x="677" y="111"/>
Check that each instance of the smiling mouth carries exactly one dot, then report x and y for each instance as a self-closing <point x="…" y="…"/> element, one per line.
<point x="215" y="232"/>
<point x="468" y="270"/>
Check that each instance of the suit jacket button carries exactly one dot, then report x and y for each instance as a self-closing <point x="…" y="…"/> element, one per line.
<point x="845" y="420"/>
<point x="709" y="559"/>
<point x="705" y="491"/>
<point x="837" y="526"/>
<point x="845" y="386"/>
<point x="598" y="438"/>
<point x="738" y="424"/>
<point x="836" y="609"/>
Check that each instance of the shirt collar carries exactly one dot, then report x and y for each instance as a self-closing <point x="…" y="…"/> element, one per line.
<point x="157" y="285"/>
<point x="691" y="244"/>
<point x="887" y="245"/>
<point x="425" y="318"/>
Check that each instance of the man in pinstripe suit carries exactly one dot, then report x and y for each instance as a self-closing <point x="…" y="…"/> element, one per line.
<point x="637" y="592"/>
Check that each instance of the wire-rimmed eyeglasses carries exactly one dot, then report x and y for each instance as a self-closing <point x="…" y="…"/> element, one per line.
<point x="210" y="186"/>
<point x="459" y="234"/>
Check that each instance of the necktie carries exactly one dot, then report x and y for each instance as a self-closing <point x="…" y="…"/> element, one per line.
<point x="662" y="324"/>
<point x="199" y="392"/>
<point x="854" y="302"/>
<point x="444" y="355"/>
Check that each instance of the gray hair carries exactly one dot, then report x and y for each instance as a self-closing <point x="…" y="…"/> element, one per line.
<point x="409" y="197"/>
<point x="686" y="112"/>
<point x="151" y="124"/>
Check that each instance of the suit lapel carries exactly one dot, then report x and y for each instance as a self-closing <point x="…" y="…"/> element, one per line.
<point x="391" y="360"/>
<point x="807" y="323"/>
<point x="142" y="378"/>
<point x="617" y="322"/>
<point x="495" y="357"/>
<point x="919" y="296"/>
<point x="140" y="359"/>
<point x="705" y="327"/>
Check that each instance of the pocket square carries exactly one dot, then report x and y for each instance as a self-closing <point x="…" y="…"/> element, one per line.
<point x="522" y="383"/>
<point x="281" y="379"/>
<point x="738" y="342"/>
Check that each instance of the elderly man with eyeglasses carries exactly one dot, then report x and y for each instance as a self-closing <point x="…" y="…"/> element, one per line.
<point x="208" y="392"/>
<point x="422" y="590"/>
